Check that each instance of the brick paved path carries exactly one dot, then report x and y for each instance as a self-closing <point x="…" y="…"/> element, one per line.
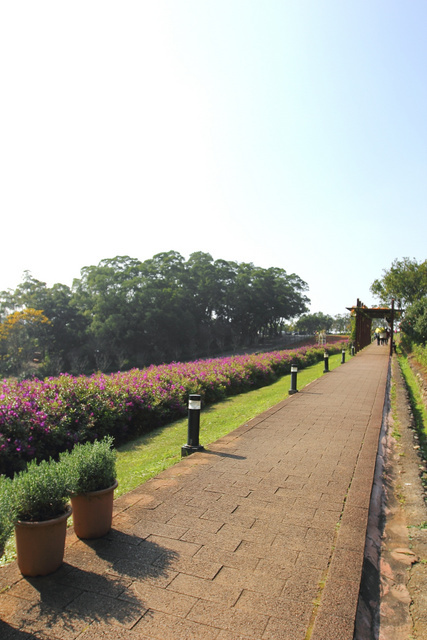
<point x="261" y="537"/>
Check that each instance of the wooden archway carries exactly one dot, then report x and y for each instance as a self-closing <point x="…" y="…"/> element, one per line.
<point x="364" y="316"/>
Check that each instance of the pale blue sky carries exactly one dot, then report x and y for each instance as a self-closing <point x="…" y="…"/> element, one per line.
<point x="285" y="133"/>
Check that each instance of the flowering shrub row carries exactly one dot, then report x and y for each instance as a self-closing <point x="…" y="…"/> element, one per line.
<point x="40" y="418"/>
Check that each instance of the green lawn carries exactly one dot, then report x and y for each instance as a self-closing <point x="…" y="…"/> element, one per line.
<point x="418" y="407"/>
<point x="145" y="457"/>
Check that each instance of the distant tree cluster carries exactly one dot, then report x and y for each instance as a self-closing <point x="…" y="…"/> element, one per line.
<point x="310" y="323"/>
<point x="124" y="313"/>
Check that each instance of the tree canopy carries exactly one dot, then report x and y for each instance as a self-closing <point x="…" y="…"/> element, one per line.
<point x="124" y="312"/>
<point x="313" y="322"/>
<point x="405" y="281"/>
<point x="414" y="323"/>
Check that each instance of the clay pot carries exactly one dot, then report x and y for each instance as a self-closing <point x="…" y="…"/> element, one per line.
<point x="93" y="512"/>
<point x="40" y="545"/>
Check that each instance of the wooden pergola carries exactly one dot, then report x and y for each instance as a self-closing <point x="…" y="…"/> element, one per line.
<point x="365" y="315"/>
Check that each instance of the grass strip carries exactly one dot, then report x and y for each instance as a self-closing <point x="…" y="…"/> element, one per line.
<point x="418" y="408"/>
<point x="148" y="455"/>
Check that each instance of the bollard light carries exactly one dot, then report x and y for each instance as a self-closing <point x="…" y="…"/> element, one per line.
<point x="326" y="359"/>
<point x="343" y="356"/>
<point x="294" y="373"/>
<point x="194" y="407"/>
<point x="352" y="349"/>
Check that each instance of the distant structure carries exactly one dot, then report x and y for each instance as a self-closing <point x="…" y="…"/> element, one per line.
<point x="321" y="338"/>
<point x="364" y="316"/>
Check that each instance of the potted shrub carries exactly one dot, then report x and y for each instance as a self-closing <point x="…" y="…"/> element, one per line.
<point x="6" y="512"/>
<point x="40" y="507"/>
<point x="91" y="470"/>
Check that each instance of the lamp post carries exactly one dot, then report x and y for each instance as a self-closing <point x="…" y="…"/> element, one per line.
<point x="326" y="359"/>
<point x="294" y="373"/>
<point x="194" y="407"/>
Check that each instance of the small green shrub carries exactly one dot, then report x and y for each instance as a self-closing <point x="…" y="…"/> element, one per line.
<point x="90" y="466"/>
<point x="6" y="511"/>
<point x="40" y="492"/>
<point x="420" y="353"/>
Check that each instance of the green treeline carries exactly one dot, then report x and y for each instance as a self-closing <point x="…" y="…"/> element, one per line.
<point x="126" y="313"/>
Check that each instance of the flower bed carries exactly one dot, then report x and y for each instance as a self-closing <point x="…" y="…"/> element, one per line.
<point x="40" y="418"/>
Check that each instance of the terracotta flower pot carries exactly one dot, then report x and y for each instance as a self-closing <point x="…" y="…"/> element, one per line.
<point x="93" y="512"/>
<point x="40" y="545"/>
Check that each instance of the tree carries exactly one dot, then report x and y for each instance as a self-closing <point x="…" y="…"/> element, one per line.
<point x="67" y="326"/>
<point x="342" y="323"/>
<point x="109" y="296"/>
<point x="312" y="322"/>
<point x="22" y="339"/>
<point x="414" y="323"/>
<point x="405" y="281"/>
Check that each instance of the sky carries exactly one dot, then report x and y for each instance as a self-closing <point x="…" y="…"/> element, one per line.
<point x="286" y="133"/>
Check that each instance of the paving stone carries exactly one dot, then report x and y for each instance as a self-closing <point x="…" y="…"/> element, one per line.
<point x="234" y="517"/>
<point x="159" y="599"/>
<point x="206" y="589"/>
<point x="315" y="537"/>
<point x="342" y="596"/>
<point x="16" y="611"/>
<point x="93" y="606"/>
<point x="326" y="519"/>
<point x="101" y="631"/>
<point x="232" y="619"/>
<point x="278" y="630"/>
<point x="221" y="540"/>
<point x="10" y="633"/>
<point x="104" y="583"/>
<point x="162" y="626"/>
<point x="176" y="546"/>
<point x="290" y="533"/>
<point x="346" y="564"/>
<point x="204" y="499"/>
<point x="226" y="558"/>
<point x="308" y="558"/>
<point x="332" y="627"/>
<point x="282" y="608"/>
<point x="259" y="535"/>
<point x="282" y="569"/>
<point x="303" y="585"/>
<point x="259" y="580"/>
<point x="191" y="522"/>
<point x="195" y="566"/>
<point x="147" y="528"/>
<point x="232" y="635"/>
<point x="38" y="590"/>
<point x="160" y="575"/>
<point x="351" y="537"/>
<point x="9" y="575"/>
<point x="38" y="616"/>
